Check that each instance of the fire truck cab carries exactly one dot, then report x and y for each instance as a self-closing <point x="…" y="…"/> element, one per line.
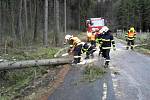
<point x="93" y="24"/>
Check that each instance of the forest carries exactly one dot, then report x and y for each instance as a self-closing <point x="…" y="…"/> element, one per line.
<point x="25" y="22"/>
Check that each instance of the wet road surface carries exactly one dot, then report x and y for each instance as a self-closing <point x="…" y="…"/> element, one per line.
<point x="133" y="83"/>
<point x="128" y="78"/>
<point x="74" y="88"/>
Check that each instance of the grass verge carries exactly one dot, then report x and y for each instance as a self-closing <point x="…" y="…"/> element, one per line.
<point x="14" y="82"/>
<point x="143" y="49"/>
<point x="92" y="73"/>
<point x="39" y="53"/>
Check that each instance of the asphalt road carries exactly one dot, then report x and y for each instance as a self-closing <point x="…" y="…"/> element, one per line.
<point x="128" y="78"/>
<point x="133" y="83"/>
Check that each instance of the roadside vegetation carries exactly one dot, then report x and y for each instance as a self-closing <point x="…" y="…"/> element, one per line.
<point x="15" y="82"/>
<point x="28" y="54"/>
<point x="92" y="73"/>
<point x="142" y="41"/>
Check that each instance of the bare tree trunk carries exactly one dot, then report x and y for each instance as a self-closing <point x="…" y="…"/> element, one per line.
<point x="56" y="12"/>
<point x="19" y="23"/>
<point x="31" y="17"/>
<point x="29" y="63"/>
<point x="13" y="25"/>
<point x="65" y="15"/>
<point x="1" y="22"/>
<point x="35" y="21"/>
<point x="140" y="21"/>
<point x="46" y="24"/>
<point x="79" y="15"/>
<point x="26" y="15"/>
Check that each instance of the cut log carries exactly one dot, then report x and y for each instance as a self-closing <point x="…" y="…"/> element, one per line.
<point x="34" y="63"/>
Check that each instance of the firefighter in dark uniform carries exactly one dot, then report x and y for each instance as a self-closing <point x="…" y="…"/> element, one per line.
<point x="106" y="42"/>
<point x="75" y="47"/>
<point x="88" y="49"/>
<point x="130" y="37"/>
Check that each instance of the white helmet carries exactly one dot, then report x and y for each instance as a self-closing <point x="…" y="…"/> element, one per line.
<point x="93" y="29"/>
<point x="96" y="29"/>
<point x="104" y="29"/>
<point x="82" y="43"/>
<point x="67" y="37"/>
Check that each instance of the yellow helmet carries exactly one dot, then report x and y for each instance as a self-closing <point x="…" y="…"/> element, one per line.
<point x="132" y="29"/>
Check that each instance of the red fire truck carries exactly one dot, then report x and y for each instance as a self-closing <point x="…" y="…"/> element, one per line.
<point x="94" y="23"/>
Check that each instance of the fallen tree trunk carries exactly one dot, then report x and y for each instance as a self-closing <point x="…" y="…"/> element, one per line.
<point x="34" y="63"/>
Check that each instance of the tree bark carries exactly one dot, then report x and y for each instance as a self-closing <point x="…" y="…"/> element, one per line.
<point x="31" y="13"/>
<point x="56" y="13"/>
<point x="12" y="14"/>
<point x="26" y="15"/>
<point x="35" y="21"/>
<point x="65" y="15"/>
<point x="46" y="24"/>
<point x="1" y="22"/>
<point x="79" y="15"/>
<point x="20" y="23"/>
<point x="34" y="63"/>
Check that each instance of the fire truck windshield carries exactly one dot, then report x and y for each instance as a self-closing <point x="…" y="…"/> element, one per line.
<point x="99" y="22"/>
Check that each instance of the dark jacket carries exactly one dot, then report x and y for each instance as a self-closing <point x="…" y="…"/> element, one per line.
<point x="107" y="40"/>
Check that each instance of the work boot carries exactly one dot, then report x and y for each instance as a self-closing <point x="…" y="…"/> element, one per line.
<point x="87" y="57"/>
<point x="132" y="47"/>
<point x="78" y="60"/>
<point x="99" y="53"/>
<point x="106" y="64"/>
<point x="92" y="55"/>
<point x="127" y="48"/>
<point x="75" y="60"/>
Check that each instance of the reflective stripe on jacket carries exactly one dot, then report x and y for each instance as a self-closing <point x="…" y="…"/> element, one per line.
<point x="107" y="41"/>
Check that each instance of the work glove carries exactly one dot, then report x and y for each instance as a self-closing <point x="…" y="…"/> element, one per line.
<point x="97" y="41"/>
<point x="64" y="43"/>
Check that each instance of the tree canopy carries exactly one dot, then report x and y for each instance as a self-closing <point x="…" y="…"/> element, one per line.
<point x="23" y="22"/>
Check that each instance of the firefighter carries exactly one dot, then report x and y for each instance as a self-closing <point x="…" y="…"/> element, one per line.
<point x="88" y="36"/>
<point x="93" y="38"/>
<point x="130" y="37"/>
<point x="106" y="42"/>
<point x="75" y="47"/>
<point x="88" y="49"/>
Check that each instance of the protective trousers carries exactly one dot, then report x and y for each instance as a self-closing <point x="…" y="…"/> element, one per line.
<point x="100" y="50"/>
<point x="93" y="43"/>
<point x="105" y="54"/>
<point x="90" y="51"/>
<point x="130" y="43"/>
<point x="77" y="53"/>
